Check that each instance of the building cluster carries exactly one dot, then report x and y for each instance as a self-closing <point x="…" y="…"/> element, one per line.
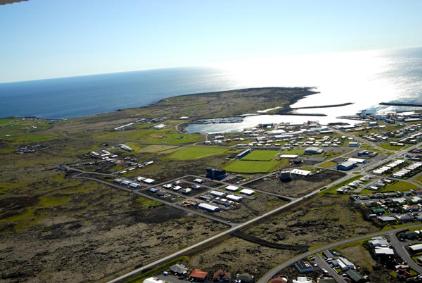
<point x="343" y="266"/>
<point x="168" y="190"/>
<point x="30" y="148"/>
<point x="384" y="253"/>
<point x="330" y="262"/>
<point x="400" y="137"/>
<point x="350" y="163"/>
<point x="131" y="125"/>
<point x="388" y="168"/>
<point x="284" y="135"/>
<point x="354" y="185"/>
<point x="391" y="116"/>
<point x="399" y="168"/>
<point x="181" y="273"/>
<point x="130" y="163"/>
<point x="408" y="171"/>
<point x="216" y="200"/>
<point x="134" y="184"/>
<point x="379" y="184"/>
<point x="180" y="187"/>
<point x="292" y="174"/>
<point x="391" y="207"/>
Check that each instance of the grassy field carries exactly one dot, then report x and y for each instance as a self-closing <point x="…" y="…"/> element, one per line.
<point x="167" y="136"/>
<point x="297" y="151"/>
<point x="261" y="155"/>
<point x="148" y="203"/>
<point x="358" y="254"/>
<point x="327" y="164"/>
<point x="251" y="167"/>
<point x="156" y="148"/>
<point x="32" y="215"/>
<point x="197" y="152"/>
<point x="400" y="186"/>
<point x="392" y="147"/>
<point x="20" y="131"/>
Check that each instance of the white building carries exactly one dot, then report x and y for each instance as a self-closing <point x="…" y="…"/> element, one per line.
<point x="247" y="192"/>
<point x="232" y="188"/>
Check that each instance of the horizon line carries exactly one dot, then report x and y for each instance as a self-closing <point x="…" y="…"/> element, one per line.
<point x="185" y="67"/>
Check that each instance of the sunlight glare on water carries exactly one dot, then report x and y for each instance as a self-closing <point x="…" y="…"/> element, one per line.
<point x="357" y="77"/>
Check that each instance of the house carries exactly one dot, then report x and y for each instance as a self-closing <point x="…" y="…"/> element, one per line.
<point x="386" y="219"/>
<point x="148" y="180"/>
<point x="383" y="251"/>
<point x="179" y="269"/>
<point x="353" y="144"/>
<point x="247" y="192"/>
<point x="232" y="188"/>
<point x="377" y="242"/>
<point x="345" y="264"/>
<point x="355" y="276"/>
<point x="405" y="217"/>
<point x="198" y="275"/>
<point x="186" y="191"/>
<point x="328" y="255"/>
<point x="409" y="235"/>
<point x="153" y="190"/>
<point x="303" y="266"/>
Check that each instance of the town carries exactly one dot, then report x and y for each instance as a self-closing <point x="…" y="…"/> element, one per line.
<point x="276" y="202"/>
<point x="376" y="163"/>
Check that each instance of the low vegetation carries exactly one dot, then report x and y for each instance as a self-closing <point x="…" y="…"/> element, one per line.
<point x="197" y="152"/>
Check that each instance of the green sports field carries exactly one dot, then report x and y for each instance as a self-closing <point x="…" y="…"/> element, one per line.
<point x="197" y="152"/>
<point x="261" y="155"/>
<point x="251" y="167"/>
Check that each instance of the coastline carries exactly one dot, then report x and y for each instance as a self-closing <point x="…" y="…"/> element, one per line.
<point x="290" y="100"/>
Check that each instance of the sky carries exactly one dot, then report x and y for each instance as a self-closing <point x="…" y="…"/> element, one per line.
<point x="42" y="39"/>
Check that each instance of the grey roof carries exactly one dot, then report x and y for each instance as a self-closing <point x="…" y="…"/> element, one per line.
<point x="179" y="269"/>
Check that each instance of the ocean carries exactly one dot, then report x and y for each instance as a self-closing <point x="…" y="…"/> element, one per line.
<point x="363" y="78"/>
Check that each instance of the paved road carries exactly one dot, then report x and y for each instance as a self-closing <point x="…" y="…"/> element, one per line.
<point x="175" y="205"/>
<point x="236" y="227"/>
<point x="400" y="248"/>
<point x="281" y="266"/>
<point x="361" y="140"/>
<point x="222" y="234"/>
<point x="271" y="273"/>
<point x="323" y="264"/>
